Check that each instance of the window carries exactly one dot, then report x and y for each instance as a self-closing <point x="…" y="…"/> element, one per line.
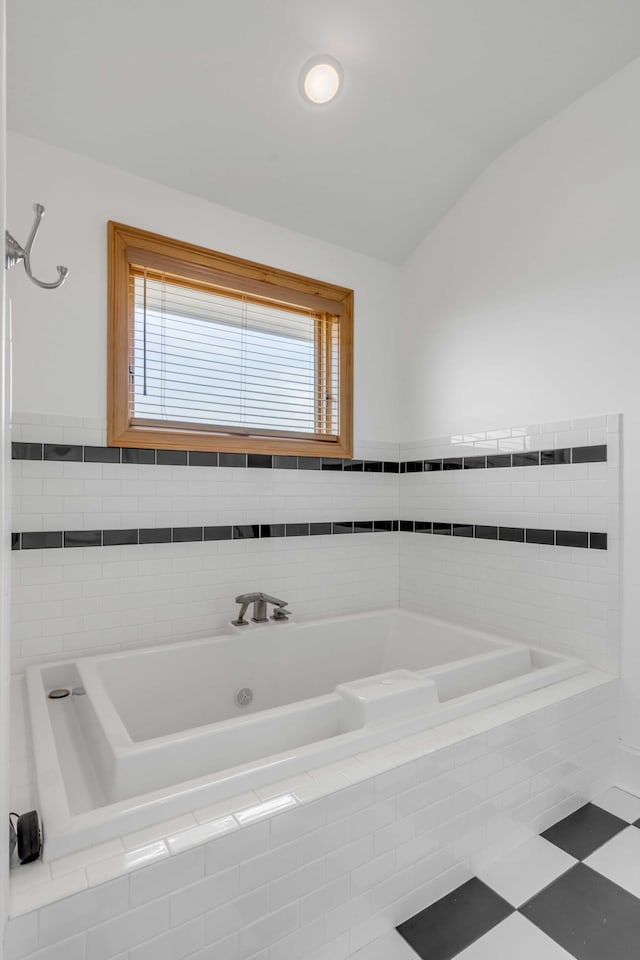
<point x="209" y="352"/>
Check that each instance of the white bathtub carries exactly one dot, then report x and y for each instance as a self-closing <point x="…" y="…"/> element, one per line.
<point x="152" y="733"/>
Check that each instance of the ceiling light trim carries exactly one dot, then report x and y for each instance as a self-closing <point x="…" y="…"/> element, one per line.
<point x="317" y="89"/>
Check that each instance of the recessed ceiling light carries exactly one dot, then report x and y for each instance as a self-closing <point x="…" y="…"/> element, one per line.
<point x="321" y="79"/>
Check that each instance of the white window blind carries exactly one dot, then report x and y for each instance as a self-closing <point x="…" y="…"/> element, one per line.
<point x="203" y="358"/>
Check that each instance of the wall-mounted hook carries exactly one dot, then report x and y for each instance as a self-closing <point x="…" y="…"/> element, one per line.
<point x="15" y="253"/>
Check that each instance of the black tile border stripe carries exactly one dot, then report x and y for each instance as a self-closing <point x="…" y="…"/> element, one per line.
<point x="76" y="453"/>
<point x="558" y="538"/>
<point x="528" y="458"/>
<point x="54" y="539"/>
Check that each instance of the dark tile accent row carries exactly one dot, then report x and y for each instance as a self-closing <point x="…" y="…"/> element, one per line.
<point x="513" y="534"/>
<point x="544" y="536"/>
<point x="320" y="529"/>
<point x="202" y="458"/>
<point x="530" y="458"/>
<point x="26" y="451"/>
<point x="132" y="455"/>
<point x="462" y="530"/>
<point x="589" y="454"/>
<point x="218" y="533"/>
<point x="555" y="457"/>
<point x="76" y="453"/>
<point x="474" y="463"/>
<point x="171" y="458"/>
<point x="70" y="453"/>
<point x="154" y="535"/>
<point x="269" y="530"/>
<point x="484" y="532"/>
<point x="108" y="538"/>
<point x="119" y="538"/>
<point x="187" y="534"/>
<point x="195" y="458"/>
<point x="232" y="459"/>
<point x="249" y="531"/>
<point x="558" y="538"/>
<point x="102" y="454"/>
<point x="83" y="538"/>
<point x="442" y="529"/>
<point x="48" y="540"/>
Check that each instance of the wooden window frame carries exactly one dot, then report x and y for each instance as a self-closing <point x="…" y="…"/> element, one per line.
<point x="129" y="246"/>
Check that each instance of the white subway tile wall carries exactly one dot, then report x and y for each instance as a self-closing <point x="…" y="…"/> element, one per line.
<point x="559" y="597"/>
<point x="94" y="600"/>
<point x="585" y="431"/>
<point x="323" y="879"/>
<point x="55" y="495"/>
<point x="84" y="600"/>
<point x="372" y="840"/>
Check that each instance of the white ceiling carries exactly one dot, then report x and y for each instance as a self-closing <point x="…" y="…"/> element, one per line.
<point x="202" y="95"/>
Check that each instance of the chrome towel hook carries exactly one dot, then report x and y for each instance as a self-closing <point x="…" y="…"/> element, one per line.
<point x="15" y="253"/>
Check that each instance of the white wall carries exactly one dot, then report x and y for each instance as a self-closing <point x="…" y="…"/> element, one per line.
<point x="60" y="339"/>
<point x="523" y="305"/>
<point x="4" y="525"/>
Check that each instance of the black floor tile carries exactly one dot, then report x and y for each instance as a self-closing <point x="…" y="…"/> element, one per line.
<point x="588" y="915"/>
<point x="584" y="831"/>
<point x="454" y="922"/>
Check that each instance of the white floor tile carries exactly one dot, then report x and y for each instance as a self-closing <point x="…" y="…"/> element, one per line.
<point x="390" y="947"/>
<point x="620" y="804"/>
<point x="619" y="860"/>
<point x="514" y="937"/>
<point x="527" y="870"/>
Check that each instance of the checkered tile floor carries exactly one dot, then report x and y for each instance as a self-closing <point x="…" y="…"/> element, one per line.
<point x="572" y="892"/>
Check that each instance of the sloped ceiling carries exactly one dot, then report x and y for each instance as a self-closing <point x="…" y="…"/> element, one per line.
<point x="202" y="95"/>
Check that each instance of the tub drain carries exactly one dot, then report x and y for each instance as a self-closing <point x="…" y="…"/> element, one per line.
<point x="244" y="697"/>
<point x="59" y="694"/>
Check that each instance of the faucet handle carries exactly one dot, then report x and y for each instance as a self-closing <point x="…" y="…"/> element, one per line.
<point x="281" y="613"/>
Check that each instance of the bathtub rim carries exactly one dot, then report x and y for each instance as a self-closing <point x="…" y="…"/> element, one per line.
<point x="39" y="893"/>
<point x="64" y="829"/>
<point x="115" y="726"/>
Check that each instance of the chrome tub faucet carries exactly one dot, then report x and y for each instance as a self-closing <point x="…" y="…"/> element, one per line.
<point x="260" y="602"/>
